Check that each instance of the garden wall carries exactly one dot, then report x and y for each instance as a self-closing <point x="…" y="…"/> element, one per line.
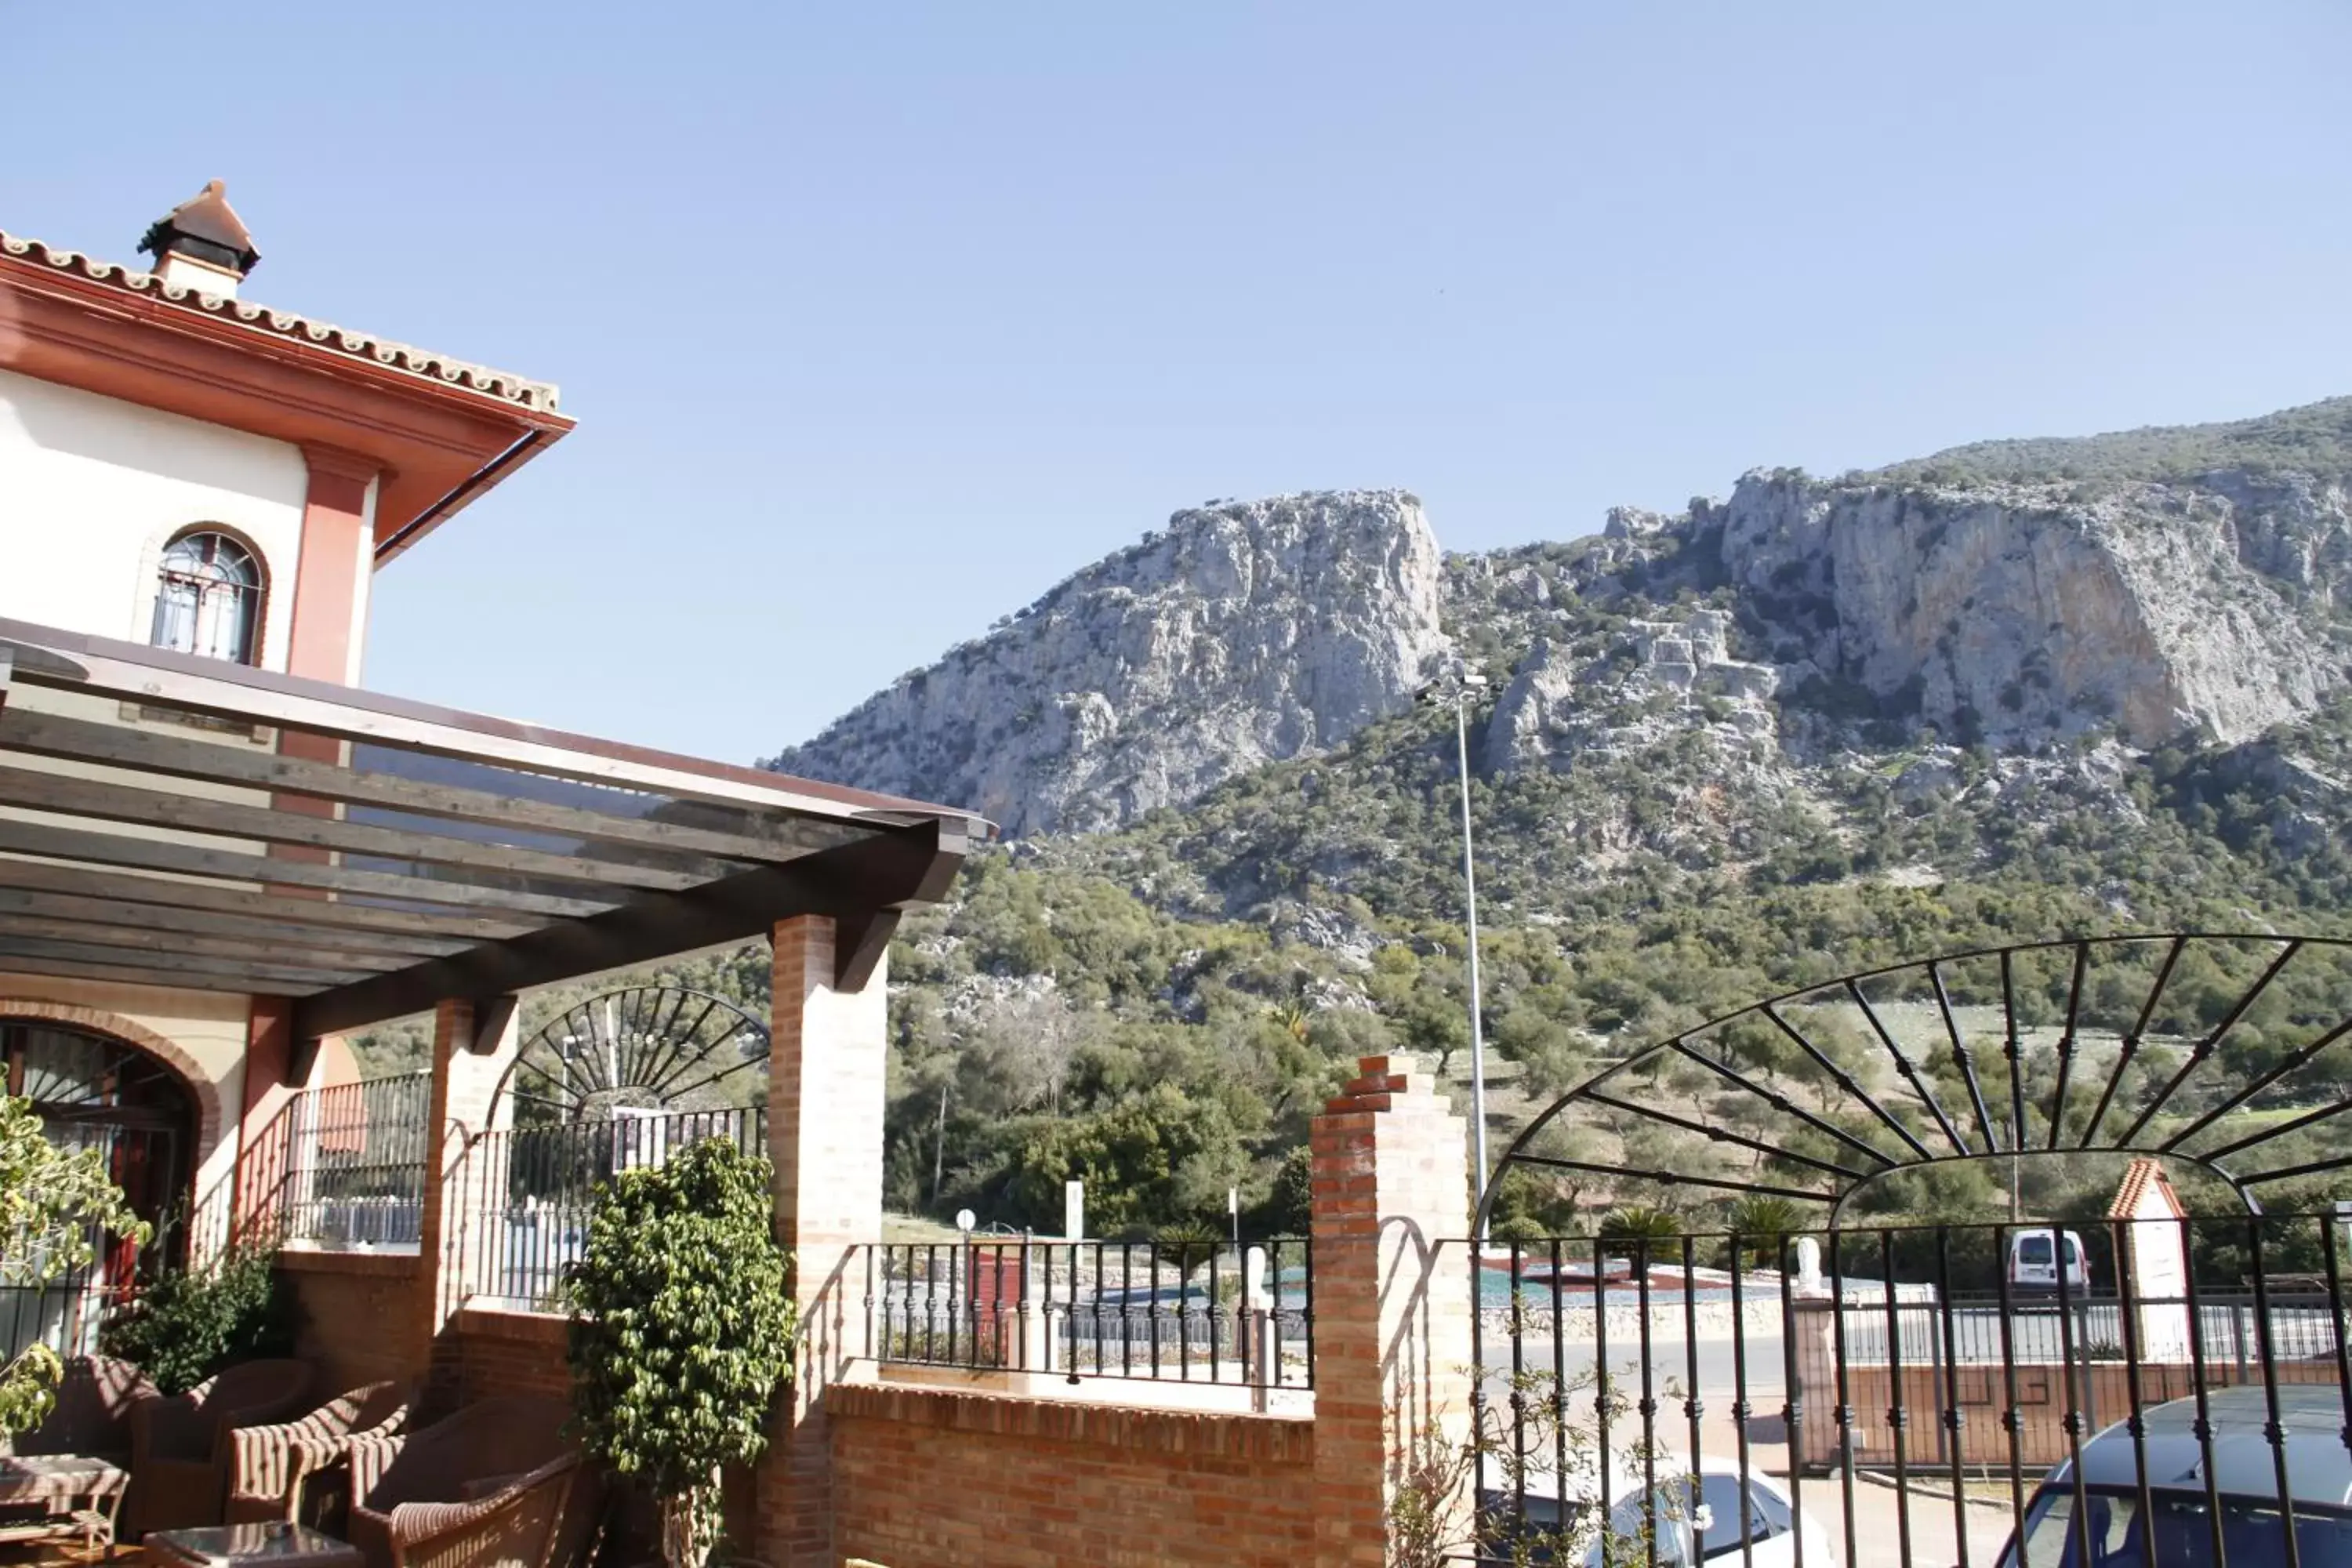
<point x="495" y="1354"/>
<point x="362" y="1319"/>
<point x="925" y="1475"/>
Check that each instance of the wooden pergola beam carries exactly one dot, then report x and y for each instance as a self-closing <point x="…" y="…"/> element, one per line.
<point x="903" y="866"/>
<point x="200" y="901"/>
<point x="186" y="859"/>
<point x="249" y="930"/>
<point x="70" y="797"/>
<point x="134" y="973"/>
<point x="288" y="977"/>
<point x="76" y="661"/>
<point x="146" y="751"/>
<point x="151" y="940"/>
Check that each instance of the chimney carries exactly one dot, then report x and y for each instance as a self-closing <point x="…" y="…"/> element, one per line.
<point x="202" y="244"/>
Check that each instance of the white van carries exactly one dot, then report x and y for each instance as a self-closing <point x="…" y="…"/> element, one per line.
<point x="2033" y="1262"/>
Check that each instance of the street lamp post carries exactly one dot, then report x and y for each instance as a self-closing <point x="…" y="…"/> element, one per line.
<point x="1459" y="686"/>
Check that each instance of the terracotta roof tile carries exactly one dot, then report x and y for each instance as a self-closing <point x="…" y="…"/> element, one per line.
<point x="2139" y="1177"/>
<point x="507" y="387"/>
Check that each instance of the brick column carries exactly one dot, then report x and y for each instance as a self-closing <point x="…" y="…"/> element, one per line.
<point x="1393" y="1353"/>
<point x="464" y="1084"/>
<point x="826" y="1055"/>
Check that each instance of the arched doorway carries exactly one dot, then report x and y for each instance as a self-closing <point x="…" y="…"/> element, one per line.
<point x="94" y="1091"/>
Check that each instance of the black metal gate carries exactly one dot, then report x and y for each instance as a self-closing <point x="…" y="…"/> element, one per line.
<point x="1803" y="1334"/>
<point x="1892" y="1395"/>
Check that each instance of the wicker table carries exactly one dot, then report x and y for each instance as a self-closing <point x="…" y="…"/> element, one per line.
<point x="77" y="1496"/>
<point x="276" y="1543"/>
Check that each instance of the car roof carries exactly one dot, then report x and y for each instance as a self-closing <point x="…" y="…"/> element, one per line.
<point x="2312" y="1417"/>
<point x="1585" y="1485"/>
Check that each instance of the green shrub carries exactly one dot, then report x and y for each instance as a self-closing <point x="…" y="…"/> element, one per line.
<point x="189" y="1323"/>
<point x="681" y="1331"/>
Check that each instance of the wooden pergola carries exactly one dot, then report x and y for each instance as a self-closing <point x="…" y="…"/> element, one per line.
<point x="173" y="820"/>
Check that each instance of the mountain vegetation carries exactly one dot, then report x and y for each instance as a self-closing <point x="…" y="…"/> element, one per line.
<point x="1722" y="756"/>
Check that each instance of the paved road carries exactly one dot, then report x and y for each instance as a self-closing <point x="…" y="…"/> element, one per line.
<point x="1718" y="1362"/>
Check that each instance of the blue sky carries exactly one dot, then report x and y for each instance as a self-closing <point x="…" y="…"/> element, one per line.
<point x="880" y="320"/>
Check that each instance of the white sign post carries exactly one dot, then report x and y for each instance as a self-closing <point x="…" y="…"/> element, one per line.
<point x="1073" y="1211"/>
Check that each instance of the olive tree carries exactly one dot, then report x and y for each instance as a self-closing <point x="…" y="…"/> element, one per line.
<point x="681" y="1329"/>
<point x="53" y="1204"/>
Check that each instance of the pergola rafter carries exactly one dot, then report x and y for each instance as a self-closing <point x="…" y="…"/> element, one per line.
<point x="172" y="820"/>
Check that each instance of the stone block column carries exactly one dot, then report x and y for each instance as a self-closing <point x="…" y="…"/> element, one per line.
<point x="472" y="1048"/>
<point x="826" y="1056"/>
<point x="1392" y="1276"/>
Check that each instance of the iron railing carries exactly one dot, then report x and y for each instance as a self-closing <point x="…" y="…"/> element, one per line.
<point x="355" y="1172"/>
<point x="1223" y="1313"/>
<point x="339" y="1167"/>
<point x="1891" y="1397"/>
<point x="529" y="1193"/>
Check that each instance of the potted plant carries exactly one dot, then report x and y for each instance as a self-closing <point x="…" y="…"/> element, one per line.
<point x="191" y="1322"/>
<point x="682" y="1329"/>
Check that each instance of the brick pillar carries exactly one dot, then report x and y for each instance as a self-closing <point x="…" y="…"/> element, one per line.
<point x="266" y="1131"/>
<point x="827" y="1055"/>
<point x="1393" y="1353"/>
<point x="465" y="1081"/>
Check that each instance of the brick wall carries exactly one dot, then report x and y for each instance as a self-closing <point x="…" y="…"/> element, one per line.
<point x="1393" y="1342"/>
<point x="510" y="1353"/>
<point x="352" y="1304"/>
<point x="2102" y="1391"/>
<point x="926" y="1477"/>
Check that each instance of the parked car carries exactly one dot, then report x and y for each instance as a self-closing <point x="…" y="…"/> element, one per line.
<point x="1707" y="1532"/>
<point x="2033" y="1262"/>
<point x="2181" y="1516"/>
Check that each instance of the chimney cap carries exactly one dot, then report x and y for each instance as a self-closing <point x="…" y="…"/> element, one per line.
<point x="204" y="228"/>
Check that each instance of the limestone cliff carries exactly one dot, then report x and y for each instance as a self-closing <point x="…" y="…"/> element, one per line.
<point x="1243" y="632"/>
<point x="2163" y="585"/>
<point x="2025" y="612"/>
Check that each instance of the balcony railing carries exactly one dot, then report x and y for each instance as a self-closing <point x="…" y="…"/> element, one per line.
<point x="344" y="1167"/>
<point x="1241" y="1315"/>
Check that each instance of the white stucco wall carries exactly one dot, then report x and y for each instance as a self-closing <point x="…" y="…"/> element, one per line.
<point x="92" y="489"/>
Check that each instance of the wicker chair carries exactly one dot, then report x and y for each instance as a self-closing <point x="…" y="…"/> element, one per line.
<point x="181" y="1447"/>
<point x="92" y="1414"/>
<point x="489" y="1486"/>
<point x="268" y="1466"/>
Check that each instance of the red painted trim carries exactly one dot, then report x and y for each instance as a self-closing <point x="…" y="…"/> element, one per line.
<point x="429" y="439"/>
<point x="326" y="580"/>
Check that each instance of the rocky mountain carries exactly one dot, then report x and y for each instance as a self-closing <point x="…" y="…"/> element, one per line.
<point x="2008" y="692"/>
<point x="1243" y="632"/>
<point x="2155" y="586"/>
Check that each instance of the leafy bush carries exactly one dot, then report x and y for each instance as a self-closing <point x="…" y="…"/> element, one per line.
<point x="681" y="1331"/>
<point x="52" y="1202"/>
<point x="189" y="1323"/>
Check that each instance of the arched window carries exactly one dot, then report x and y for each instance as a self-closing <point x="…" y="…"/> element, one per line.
<point x="208" y="597"/>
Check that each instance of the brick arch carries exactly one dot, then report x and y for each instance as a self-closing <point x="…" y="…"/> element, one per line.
<point x="199" y="1085"/>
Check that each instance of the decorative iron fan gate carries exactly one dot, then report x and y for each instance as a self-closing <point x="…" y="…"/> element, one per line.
<point x="643" y="1051"/>
<point x="2227" y="1053"/>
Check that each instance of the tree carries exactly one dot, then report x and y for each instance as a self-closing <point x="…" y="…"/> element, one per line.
<point x="1029" y="1044"/>
<point x="53" y="1204"/>
<point x="1763" y="1222"/>
<point x="1638" y="1225"/>
<point x="681" y="1329"/>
